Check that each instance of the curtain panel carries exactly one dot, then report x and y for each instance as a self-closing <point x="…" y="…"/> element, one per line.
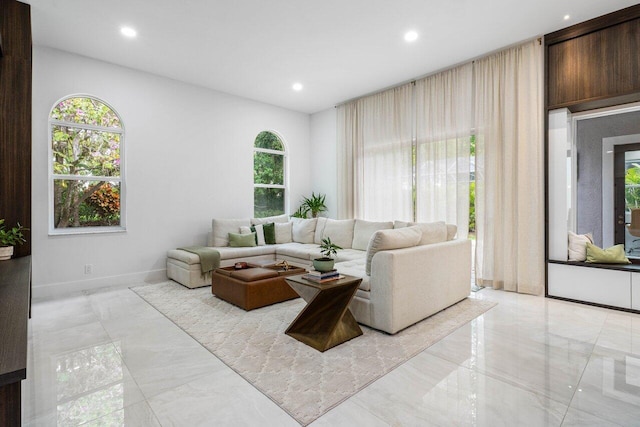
<point x="510" y="169"/>
<point x="444" y="119"/>
<point x="375" y="175"/>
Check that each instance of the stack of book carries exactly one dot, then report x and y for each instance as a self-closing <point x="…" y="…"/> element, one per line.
<point x="321" y="277"/>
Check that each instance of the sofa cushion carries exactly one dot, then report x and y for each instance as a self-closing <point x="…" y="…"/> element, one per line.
<point x="392" y="239"/>
<point x="432" y="232"/>
<point x="356" y="268"/>
<point x="578" y="246"/>
<point x="232" y="253"/>
<point x="237" y="240"/>
<point x="317" y="238"/>
<point x="283" y="232"/>
<point x="268" y="219"/>
<point x="452" y="229"/>
<point x="351" y="254"/>
<point x="269" y="233"/>
<point x="306" y="251"/>
<point x="340" y="231"/>
<point x="400" y="224"/>
<point x="304" y="230"/>
<point x="222" y="227"/>
<point x="363" y="230"/>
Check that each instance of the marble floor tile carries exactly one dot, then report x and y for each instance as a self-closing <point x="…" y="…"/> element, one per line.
<point x="610" y="387"/>
<point x="349" y="414"/>
<point x="136" y="415"/>
<point x="575" y="418"/>
<point x="519" y="360"/>
<point x="77" y="386"/>
<point x="223" y="397"/>
<point x="108" y="358"/>
<point x="429" y="391"/>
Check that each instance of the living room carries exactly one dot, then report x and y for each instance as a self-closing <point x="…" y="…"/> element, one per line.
<point x="189" y="151"/>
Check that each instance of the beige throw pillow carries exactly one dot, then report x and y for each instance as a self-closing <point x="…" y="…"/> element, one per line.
<point x="363" y="230"/>
<point x="283" y="232"/>
<point x="391" y="239"/>
<point x="432" y="232"/>
<point x="222" y="227"/>
<point x="317" y="238"/>
<point x="340" y="231"/>
<point x="303" y="230"/>
<point x="578" y="246"/>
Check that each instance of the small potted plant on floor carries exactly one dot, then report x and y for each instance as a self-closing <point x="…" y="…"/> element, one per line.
<point x="9" y="238"/>
<point x="328" y="249"/>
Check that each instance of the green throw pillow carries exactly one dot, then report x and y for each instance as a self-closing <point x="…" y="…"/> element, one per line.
<point x="613" y="255"/>
<point x="269" y="233"/>
<point x="242" y="240"/>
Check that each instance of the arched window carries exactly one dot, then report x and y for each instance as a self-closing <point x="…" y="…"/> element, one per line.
<point x="269" y="175"/>
<point x="86" y="166"/>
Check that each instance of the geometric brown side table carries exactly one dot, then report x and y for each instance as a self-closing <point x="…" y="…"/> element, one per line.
<point x="326" y="320"/>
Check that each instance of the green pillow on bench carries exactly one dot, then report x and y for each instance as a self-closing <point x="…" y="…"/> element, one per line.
<point x="613" y="255"/>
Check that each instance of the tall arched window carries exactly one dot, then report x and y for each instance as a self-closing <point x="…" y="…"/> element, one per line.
<point x="269" y="175"/>
<point x="86" y="166"/>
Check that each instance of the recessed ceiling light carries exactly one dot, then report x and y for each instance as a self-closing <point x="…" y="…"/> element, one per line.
<point x="128" y="32"/>
<point x="410" y="36"/>
<point x="297" y="87"/>
<point x="567" y="17"/>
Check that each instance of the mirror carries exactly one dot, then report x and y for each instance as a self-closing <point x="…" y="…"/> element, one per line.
<point x="594" y="178"/>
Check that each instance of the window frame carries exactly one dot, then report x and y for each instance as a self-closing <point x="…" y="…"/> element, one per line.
<point x="53" y="176"/>
<point x="285" y="168"/>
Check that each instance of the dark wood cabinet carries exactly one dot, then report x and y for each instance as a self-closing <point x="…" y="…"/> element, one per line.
<point x="15" y="117"/>
<point x="15" y="284"/>
<point x="596" y="63"/>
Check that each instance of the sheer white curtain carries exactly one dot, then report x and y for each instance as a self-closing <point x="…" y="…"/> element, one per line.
<point x="510" y="170"/>
<point x="443" y="130"/>
<point x="375" y="179"/>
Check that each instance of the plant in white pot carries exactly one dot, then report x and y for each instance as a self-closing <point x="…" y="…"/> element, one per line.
<point x="9" y="238"/>
<point x="328" y="249"/>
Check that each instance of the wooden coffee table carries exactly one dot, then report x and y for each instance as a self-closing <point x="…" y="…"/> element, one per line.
<point x="326" y="320"/>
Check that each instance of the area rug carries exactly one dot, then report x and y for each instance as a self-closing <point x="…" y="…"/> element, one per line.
<point x="302" y="381"/>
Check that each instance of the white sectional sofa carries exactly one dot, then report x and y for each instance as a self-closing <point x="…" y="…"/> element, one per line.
<point x="409" y="271"/>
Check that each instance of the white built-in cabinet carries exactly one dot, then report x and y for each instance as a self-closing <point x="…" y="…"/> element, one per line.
<point x="615" y="288"/>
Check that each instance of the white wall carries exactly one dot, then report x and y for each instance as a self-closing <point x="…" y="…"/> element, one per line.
<point x="189" y="158"/>
<point x="324" y="171"/>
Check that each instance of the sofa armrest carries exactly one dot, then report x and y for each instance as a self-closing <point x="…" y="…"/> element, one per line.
<point x="410" y="284"/>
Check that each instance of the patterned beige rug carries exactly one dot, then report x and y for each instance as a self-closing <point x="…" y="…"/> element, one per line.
<point x="301" y="380"/>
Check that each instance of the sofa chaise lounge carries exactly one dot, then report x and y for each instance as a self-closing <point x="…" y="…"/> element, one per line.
<point x="409" y="271"/>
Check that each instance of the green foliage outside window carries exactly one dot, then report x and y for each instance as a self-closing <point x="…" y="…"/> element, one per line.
<point x="78" y="153"/>
<point x="632" y="188"/>
<point x="268" y="169"/>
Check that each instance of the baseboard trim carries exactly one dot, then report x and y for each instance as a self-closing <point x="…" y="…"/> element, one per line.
<point x="56" y="290"/>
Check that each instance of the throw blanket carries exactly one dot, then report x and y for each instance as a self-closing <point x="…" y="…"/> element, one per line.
<point x="209" y="257"/>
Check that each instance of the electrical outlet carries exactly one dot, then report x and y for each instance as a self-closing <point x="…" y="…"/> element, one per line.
<point x="88" y="269"/>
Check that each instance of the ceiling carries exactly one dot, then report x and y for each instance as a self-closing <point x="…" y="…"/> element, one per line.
<point x="337" y="49"/>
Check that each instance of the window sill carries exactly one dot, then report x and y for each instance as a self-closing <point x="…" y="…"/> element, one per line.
<point x="86" y="230"/>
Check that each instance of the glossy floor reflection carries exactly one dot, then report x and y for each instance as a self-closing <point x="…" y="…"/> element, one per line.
<point x="109" y="358"/>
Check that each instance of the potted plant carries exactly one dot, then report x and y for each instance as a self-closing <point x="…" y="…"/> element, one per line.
<point x="9" y="238"/>
<point x="328" y="249"/>
<point x="301" y="212"/>
<point x="314" y="204"/>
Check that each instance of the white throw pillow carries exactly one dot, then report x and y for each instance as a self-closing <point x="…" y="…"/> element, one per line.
<point x="322" y="221"/>
<point x="304" y="230"/>
<point x="259" y="233"/>
<point x="578" y="246"/>
<point x="452" y="230"/>
<point x="432" y="232"/>
<point x="400" y="224"/>
<point x="266" y="220"/>
<point x="363" y="230"/>
<point x="398" y="238"/>
<point x="283" y="232"/>
<point x="222" y="227"/>
<point x="340" y="231"/>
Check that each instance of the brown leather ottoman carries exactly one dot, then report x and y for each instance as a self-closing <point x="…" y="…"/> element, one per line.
<point x="253" y="287"/>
